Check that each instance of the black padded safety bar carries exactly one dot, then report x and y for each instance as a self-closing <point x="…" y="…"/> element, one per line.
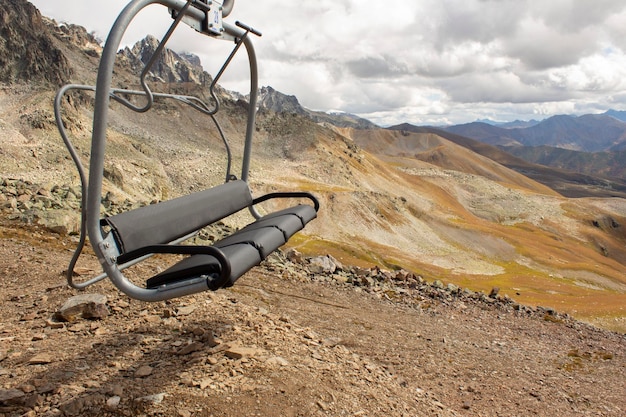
<point x="294" y="194"/>
<point x="244" y="249"/>
<point x="224" y="263"/>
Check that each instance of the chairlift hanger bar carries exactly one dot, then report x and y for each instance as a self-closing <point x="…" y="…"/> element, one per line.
<point x="91" y="185"/>
<point x="123" y="239"/>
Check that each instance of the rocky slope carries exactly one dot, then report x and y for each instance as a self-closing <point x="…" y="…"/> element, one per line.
<point x="27" y="52"/>
<point x="291" y="338"/>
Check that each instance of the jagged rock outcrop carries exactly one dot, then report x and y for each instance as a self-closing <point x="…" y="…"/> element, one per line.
<point x="27" y="50"/>
<point x="171" y="67"/>
<point x="76" y="35"/>
<point x="278" y="102"/>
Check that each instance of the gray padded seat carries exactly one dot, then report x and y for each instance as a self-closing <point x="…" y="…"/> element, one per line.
<point x="169" y="220"/>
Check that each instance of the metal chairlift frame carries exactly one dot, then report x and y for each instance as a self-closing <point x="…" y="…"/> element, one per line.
<point x="198" y="14"/>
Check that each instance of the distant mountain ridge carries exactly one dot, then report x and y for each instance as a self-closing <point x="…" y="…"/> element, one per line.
<point x="278" y="102"/>
<point x="587" y="133"/>
<point x="618" y="114"/>
<point x="570" y="183"/>
<point x="510" y="125"/>
<point x="604" y="164"/>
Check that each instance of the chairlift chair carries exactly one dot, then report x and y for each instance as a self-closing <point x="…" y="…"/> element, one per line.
<point x="125" y="239"/>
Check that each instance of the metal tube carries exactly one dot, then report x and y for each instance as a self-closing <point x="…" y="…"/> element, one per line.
<point x="254" y="88"/>
<point x="96" y="168"/>
<point x="104" y="246"/>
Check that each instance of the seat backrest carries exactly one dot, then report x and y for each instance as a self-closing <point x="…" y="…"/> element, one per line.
<point x="167" y="221"/>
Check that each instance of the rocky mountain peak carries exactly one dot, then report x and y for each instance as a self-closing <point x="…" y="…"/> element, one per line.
<point x="171" y="67"/>
<point x="276" y="101"/>
<point x="27" y="49"/>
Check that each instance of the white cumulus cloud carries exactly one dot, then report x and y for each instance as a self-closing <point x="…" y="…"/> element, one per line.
<point x="418" y="61"/>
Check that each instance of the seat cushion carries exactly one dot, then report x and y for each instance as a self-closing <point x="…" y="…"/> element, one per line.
<point x="242" y="258"/>
<point x="167" y="221"/>
<point x="265" y="239"/>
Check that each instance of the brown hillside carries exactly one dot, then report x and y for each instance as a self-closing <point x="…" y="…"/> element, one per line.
<point x="434" y="149"/>
<point x="567" y="183"/>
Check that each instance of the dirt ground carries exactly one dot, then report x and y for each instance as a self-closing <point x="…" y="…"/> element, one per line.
<point x="283" y="343"/>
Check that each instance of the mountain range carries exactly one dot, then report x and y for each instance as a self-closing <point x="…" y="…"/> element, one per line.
<point x="589" y="133"/>
<point x="594" y="145"/>
<point x="591" y="144"/>
<point x="440" y="204"/>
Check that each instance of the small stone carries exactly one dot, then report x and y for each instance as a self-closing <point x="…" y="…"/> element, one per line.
<point x="154" y="398"/>
<point x="87" y="306"/>
<point x="28" y="317"/>
<point x="190" y="348"/>
<point x="322" y="265"/>
<point x="340" y="278"/>
<point x="278" y="360"/>
<point x="143" y="371"/>
<point x="186" y="310"/>
<point x="494" y="292"/>
<point x="152" y="318"/>
<point x="323" y="406"/>
<point x="11" y="396"/>
<point x="294" y="256"/>
<point x="198" y="331"/>
<point x="116" y="390"/>
<point x="27" y="388"/>
<point x="54" y="324"/>
<point x="41" y="359"/>
<point x="113" y="402"/>
<point x="77" y="328"/>
<point x="239" y="352"/>
<point x="210" y="340"/>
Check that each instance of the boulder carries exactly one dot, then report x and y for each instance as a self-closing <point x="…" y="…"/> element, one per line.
<point x="86" y="306"/>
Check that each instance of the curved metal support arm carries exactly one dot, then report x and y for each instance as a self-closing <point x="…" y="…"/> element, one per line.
<point x="295" y="194"/>
<point x="178" y="289"/>
<point x="83" y="182"/>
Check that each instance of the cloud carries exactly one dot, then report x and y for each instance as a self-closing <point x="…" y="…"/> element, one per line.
<point x="418" y="60"/>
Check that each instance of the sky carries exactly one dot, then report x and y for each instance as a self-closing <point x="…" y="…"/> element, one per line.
<point x="425" y="62"/>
